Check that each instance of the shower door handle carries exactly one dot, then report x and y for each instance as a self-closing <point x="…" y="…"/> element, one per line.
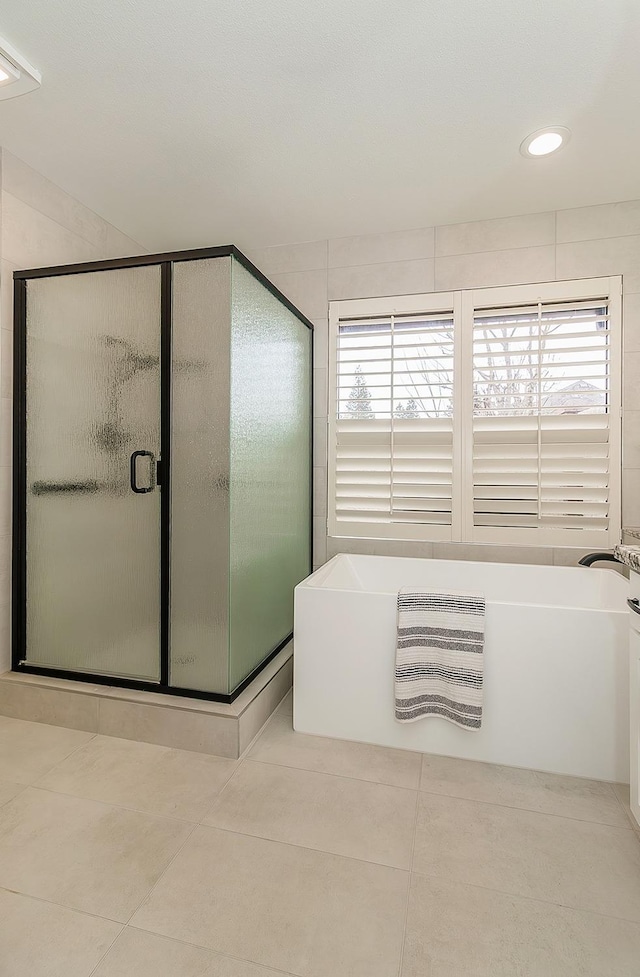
<point x="133" y="477"/>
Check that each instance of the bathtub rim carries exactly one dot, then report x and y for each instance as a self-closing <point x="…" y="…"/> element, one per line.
<point x="313" y="581"/>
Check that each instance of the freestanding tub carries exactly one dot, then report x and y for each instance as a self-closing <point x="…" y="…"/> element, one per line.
<point x="556" y="674"/>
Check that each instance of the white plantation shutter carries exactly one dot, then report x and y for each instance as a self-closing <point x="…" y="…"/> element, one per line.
<point x="490" y="415"/>
<point x="392" y="425"/>
<point x="545" y="428"/>
<point x="393" y="471"/>
<point x="552" y="471"/>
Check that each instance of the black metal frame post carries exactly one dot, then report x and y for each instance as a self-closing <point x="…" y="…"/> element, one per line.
<point x="166" y="320"/>
<point x="19" y="537"/>
<point x="19" y="555"/>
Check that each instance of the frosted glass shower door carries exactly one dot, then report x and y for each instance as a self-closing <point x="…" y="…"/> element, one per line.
<point x="93" y="398"/>
<point x="200" y="475"/>
<point x="270" y="439"/>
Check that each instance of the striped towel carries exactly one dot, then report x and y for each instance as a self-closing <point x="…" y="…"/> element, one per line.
<point x="439" y="657"/>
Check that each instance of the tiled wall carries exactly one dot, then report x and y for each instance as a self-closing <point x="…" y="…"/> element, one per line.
<point x="39" y="225"/>
<point x="581" y="243"/>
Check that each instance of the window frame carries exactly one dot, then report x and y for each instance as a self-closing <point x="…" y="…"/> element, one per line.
<point x="463" y="303"/>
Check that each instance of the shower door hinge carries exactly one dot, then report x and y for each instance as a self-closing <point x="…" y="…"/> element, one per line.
<point x="159" y="471"/>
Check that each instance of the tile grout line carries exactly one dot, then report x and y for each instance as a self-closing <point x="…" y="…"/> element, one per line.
<point x="125" y="807"/>
<point x="621" y="805"/>
<point x="194" y="826"/>
<point x="109" y="948"/>
<point x="344" y="776"/>
<point x="22" y="787"/>
<point x="409" y="881"/>
<point x="119" y="807"/>
<point x="241" y="761"/>
<point x="61" y="905"/>
<point x="325" y="773"/>
<point x="297" y="271"/>
<point x="391" y="261"/>
<point x="70" y="196"/>
<point x="635" y="827"/>
<point x="75" y="750"/>
<point x="208" y="949"/>
<point x="293" y="844"/>
<point x="461" y="254"/>
<point x="58" y="223"/>
<point x="518" y="895"/>
<point x="327" y="274"/>
<point x="526" y="810"/>
<point x="269" y="719"/>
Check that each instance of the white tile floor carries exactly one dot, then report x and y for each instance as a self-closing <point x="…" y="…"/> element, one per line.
<point x="309" y="857"/>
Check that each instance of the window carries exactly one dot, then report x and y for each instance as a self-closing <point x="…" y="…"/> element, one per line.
<point x="488" y="415"/>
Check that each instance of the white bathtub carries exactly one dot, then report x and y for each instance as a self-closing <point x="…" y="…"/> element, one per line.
<point x="556" y="684"/>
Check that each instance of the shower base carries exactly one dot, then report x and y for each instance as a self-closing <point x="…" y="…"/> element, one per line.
<point x="217" y="728"/>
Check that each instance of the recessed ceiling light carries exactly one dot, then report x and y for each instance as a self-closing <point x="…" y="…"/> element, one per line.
<point x="17" y="76"/>
<point x="542" y="142"/>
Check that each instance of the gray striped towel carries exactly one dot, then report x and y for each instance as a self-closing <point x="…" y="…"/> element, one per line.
<point x="439" y="657"/>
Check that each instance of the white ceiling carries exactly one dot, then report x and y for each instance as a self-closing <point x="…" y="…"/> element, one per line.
<point x="260" y="122"/>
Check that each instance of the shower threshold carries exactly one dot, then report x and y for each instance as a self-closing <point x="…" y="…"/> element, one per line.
<point x="218" y="728"/>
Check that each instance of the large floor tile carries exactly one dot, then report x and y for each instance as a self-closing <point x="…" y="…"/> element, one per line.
<point x="572" y="863"/>
<point x="140" y="954"/>
<point x="571" y="797"/>
<point x="28" y="750"/>
<point x="316" y="810"/>
<point x="293" y="909"/>
<point x="156" y="779"/>
<point x="455" y="930"/>
<point x="83" y="854"/>
<point x="38" y="939"/>
<point x="280" y="744"/>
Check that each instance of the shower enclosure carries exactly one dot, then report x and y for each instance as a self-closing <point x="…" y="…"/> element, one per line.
<point x="162" y="471"/>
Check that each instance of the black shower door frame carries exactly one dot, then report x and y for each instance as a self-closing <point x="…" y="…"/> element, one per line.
<point x="19" y="661"/>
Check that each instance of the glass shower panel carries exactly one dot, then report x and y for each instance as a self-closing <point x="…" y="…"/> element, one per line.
<point x="200" y="475"/>
<point x="93" y="544"/>
<point x="270" y="505"/>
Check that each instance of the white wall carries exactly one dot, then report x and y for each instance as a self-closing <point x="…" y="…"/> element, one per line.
<point x="40" y="224"/>
<point x="581" y="243"/>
